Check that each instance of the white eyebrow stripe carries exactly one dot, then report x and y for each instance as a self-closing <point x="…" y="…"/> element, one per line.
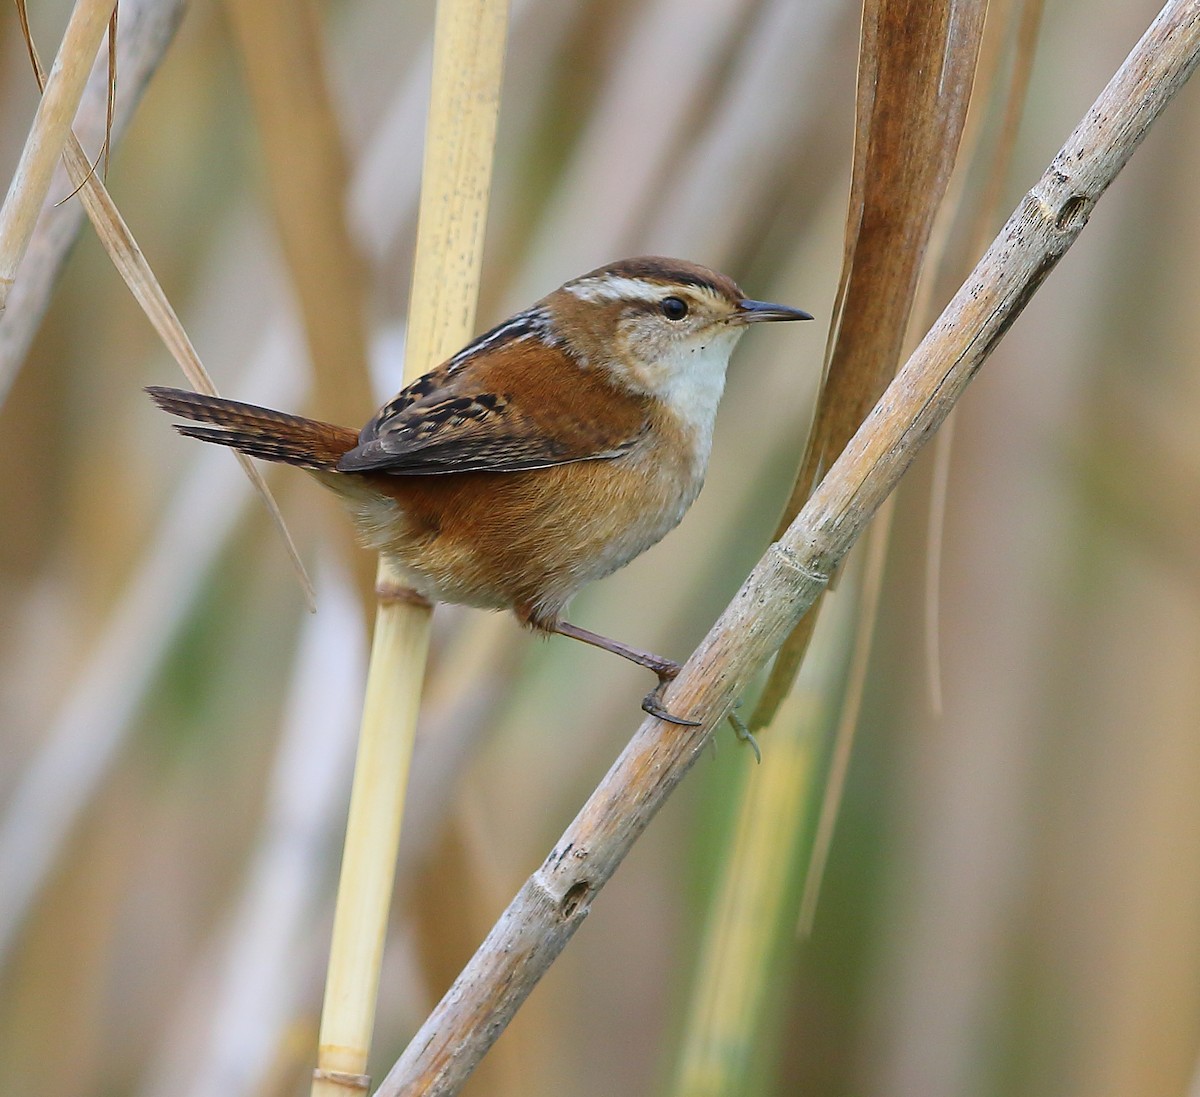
<point x="613" y="288"/>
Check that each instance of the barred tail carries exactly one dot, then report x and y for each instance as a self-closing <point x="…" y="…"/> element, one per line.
<point x="260" y="432"/>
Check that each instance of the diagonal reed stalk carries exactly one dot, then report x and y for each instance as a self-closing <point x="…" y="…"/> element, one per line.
<point x="556" y="899"/>
<point x="469" y="39"/>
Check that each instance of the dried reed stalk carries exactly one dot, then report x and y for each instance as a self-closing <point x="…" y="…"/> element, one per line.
<point x="147" y="29"/>
<point x="48" y="134"/>
<point x="556" y="899"/>
<point x="469" y="39"/>
<point x="133" y="267"/>
<point x="916" y="66"/>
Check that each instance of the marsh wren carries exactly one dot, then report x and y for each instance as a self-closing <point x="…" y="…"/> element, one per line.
<point x="548" y="453"/>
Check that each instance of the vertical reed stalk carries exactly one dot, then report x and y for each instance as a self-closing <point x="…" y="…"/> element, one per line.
<point x="469" y="39"/>
<point x="49" y="132"/>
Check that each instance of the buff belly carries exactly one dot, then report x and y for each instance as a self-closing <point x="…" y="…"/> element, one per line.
<point x="525" y="541"/>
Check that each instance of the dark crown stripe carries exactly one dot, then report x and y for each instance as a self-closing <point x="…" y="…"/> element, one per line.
<point x="665" y="271"/>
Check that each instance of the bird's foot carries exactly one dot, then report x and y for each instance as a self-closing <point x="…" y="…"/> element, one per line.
<point x="743" y="732"/>
<point x="667" y="671"/>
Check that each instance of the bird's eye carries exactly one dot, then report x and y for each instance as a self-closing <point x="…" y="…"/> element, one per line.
<point x="674" y="308"/>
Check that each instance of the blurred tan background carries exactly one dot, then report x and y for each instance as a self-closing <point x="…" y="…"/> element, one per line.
<point x="1012" y="903"/>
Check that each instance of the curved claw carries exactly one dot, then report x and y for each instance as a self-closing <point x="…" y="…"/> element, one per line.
<point x="744" y="734"/>
<point x="652" y="703"/>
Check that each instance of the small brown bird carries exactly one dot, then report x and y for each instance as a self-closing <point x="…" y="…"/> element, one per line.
<point x="548" y="453"/>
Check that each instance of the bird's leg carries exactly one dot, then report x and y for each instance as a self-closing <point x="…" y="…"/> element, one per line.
<point x="666" y="669"/>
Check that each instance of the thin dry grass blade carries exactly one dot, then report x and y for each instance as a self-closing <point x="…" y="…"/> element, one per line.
<point x="916" y="68"/>
<point x="149" y="28"/>
<point x="943" y="270"/>
<point x="110" y="105"/>
<point x="986" y="212"/>
<point x="49" y="132"/>
<point x="134" y="268"/>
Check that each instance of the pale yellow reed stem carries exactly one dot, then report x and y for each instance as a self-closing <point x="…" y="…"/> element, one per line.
<point x="467" y="64"/>
<point x="49" y="132"/>
<point x="401" y="643"/>
<point x="747" y="920"/>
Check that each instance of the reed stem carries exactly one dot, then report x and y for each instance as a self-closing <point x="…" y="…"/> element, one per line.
<point x="468" y="56"/>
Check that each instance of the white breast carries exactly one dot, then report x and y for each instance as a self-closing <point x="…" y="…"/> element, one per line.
<point x="690" y="381"/>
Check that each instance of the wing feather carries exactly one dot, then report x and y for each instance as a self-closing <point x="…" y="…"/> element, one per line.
<point x="508" y="403"/>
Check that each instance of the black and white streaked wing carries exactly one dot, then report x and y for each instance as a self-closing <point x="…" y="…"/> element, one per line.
<point x="510" y="402"/>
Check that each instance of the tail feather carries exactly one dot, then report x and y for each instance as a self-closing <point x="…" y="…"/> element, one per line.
<point x="259" y="432"/>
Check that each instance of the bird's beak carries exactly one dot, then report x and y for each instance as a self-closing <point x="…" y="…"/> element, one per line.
<point x="753" y="312"/>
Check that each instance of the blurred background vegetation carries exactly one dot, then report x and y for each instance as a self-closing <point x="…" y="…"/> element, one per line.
<point x="1012" y="899"/>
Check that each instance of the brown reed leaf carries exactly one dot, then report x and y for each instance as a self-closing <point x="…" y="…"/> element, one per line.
<point x="916" y="67"/>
